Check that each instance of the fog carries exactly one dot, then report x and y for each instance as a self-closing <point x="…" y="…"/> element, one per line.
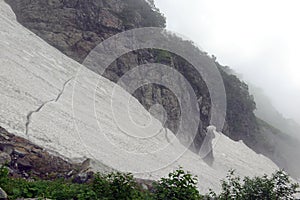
<point x="258" y="39"/>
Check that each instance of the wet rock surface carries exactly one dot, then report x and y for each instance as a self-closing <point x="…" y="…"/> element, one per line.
<point x="27" y="160"/>
<point x="75" y="27"/>
<point x="3" y="195"/>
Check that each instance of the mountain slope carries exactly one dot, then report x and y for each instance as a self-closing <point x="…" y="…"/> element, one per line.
<point x="281" y="132"/>
<point x="59" y="104"/>
<point x="76" y="28"/>
<point x="276" y="137"/>
<point x="267" y="112"/>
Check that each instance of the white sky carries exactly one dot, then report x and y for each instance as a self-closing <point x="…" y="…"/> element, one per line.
<point x="259" y="39"/>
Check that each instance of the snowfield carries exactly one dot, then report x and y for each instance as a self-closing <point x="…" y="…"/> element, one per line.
<point x="59" y="104"/>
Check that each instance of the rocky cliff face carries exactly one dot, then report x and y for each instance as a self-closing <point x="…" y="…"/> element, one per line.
<point x="75" y="27"/>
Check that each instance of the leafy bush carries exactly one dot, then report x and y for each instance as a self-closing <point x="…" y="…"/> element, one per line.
<point x="117" y="186"/>
<point x="162" y="56"/>
<point x="3" y="172"/>
<point x="277" y="187"/>
<point x="149" y="15"/>
<point x="108" y="187"/>
<point x="178" y="186"/>
<point x="58" y="189"/>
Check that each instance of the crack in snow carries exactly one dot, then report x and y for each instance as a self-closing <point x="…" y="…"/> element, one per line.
<point x="29" y="115"/>
<point x="166" y="136"/>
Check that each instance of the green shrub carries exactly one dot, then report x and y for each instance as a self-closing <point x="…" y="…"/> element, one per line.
<point x="3" y="172"/>
<point x="162" y="56"/>
<point x="277" y="187"/>
<point x="178" y="186"/>
<point x="117" y="186"/>
<point x="57" y="189"/>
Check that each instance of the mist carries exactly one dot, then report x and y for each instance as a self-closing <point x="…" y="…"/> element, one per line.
<point x="257" y="39"/>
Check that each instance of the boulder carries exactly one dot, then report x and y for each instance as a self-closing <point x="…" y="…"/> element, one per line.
<point x="7" y="148"/>
<point x="3" y="195"/>
<point x="4" y="158"/>
<point x="24" y="158"/>
<point x="24" y="164"/>
<point x="20" y="151"/>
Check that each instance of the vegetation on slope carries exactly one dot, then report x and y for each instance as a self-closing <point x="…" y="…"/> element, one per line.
<point x="179" y="185"/>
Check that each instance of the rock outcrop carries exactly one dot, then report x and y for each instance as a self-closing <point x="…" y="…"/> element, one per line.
<point x="3" y="195"/>
<point x="27" y="160"/>
<point x="75" y="27"/>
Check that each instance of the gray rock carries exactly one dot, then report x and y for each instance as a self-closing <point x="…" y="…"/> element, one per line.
<point x="7" y="148"/>
<point x="3" y="195"/>
<point x="65" y="24"/>
<point x="24" y="164"/>
<point x="4" y="136"/>
<point x="4" y="158"/>
<point x="86" y="165"/>
<point x="20" y="151"/>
